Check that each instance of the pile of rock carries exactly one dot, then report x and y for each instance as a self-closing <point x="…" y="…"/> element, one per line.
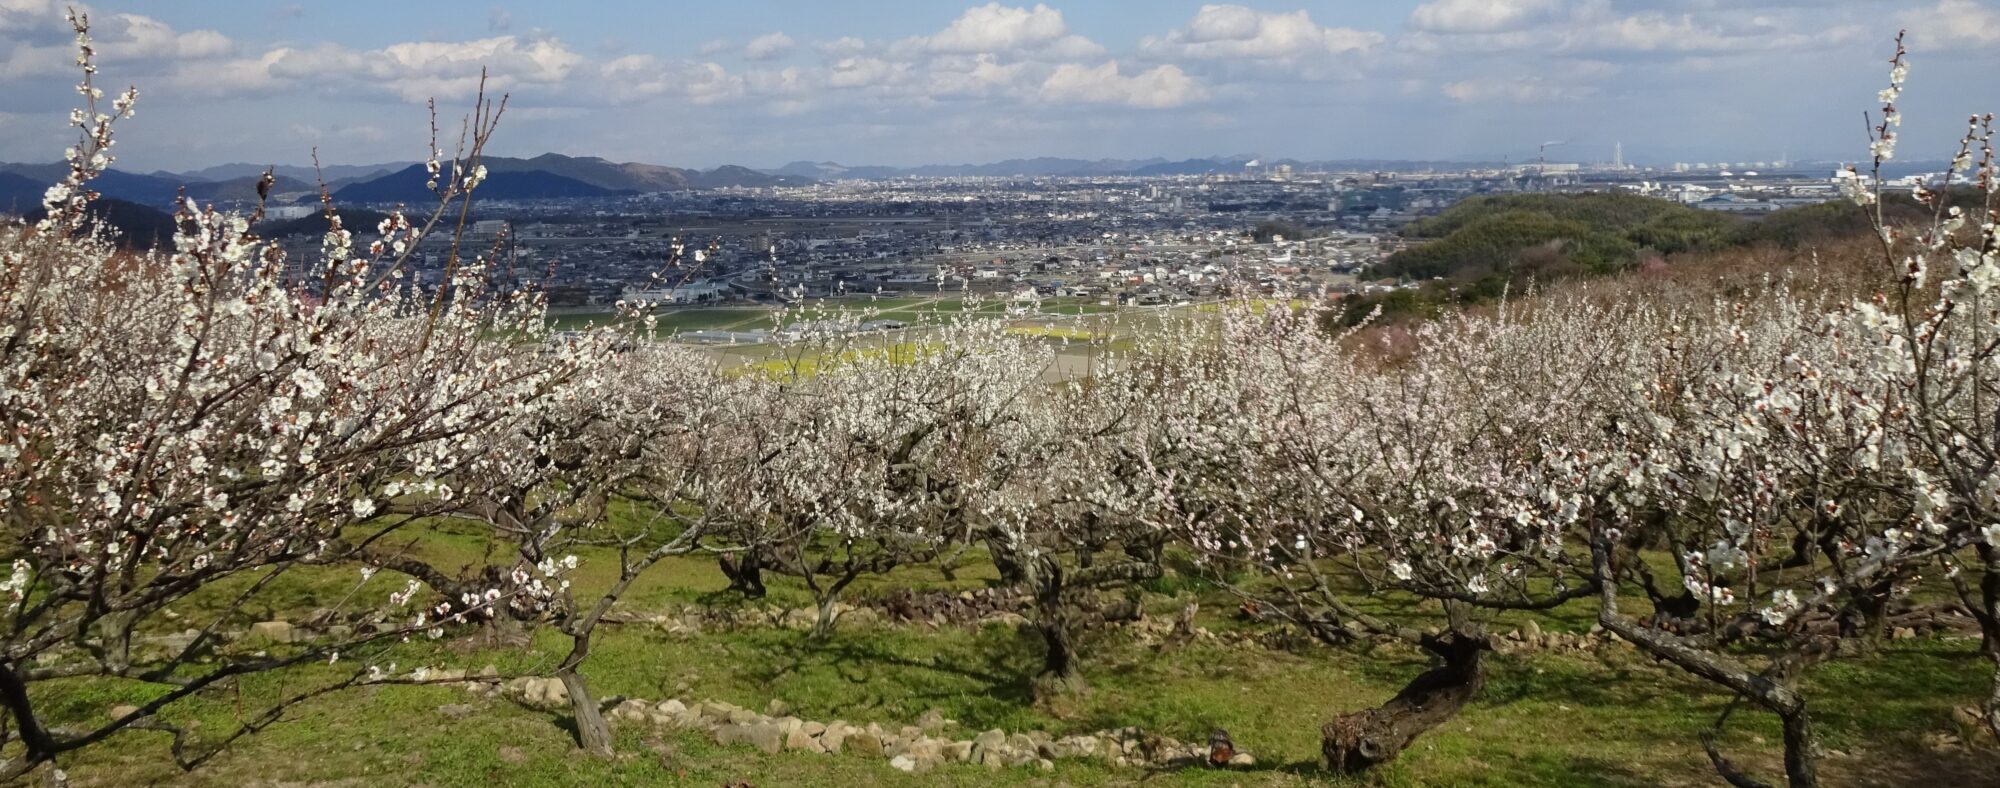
<point x="1530" y="637"/>
<point x="910" y="748"/>
<point x="947" y="608"/>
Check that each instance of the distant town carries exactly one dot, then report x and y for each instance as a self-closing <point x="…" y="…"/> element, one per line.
<point x="593" y="234"/>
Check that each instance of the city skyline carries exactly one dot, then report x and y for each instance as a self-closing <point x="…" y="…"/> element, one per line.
<point x="764" y="83"/>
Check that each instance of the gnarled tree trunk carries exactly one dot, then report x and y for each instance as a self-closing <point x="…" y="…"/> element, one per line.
<point x="746" y="575"/>
<point x="1362" y="740"/>
<point x="591" y="731"/>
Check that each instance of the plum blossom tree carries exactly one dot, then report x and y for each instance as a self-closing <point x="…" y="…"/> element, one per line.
<point x="876" y="449"/>
<point x="1309" y="473"/>
<point x="172" y="422"/>
<point x="1807" y="463"/>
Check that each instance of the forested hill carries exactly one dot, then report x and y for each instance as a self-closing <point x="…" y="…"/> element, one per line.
<point x="1507" y="237"/>
<point x="1553" y="233"/>
<point x="1482" y="246"/>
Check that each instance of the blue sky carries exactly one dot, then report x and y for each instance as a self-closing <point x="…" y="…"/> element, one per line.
<point x="763" y="82"/>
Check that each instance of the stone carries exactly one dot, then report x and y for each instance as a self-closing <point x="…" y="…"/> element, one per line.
<point x="542" y="691"/>
<point x="455" y="710"/>
<point x="988" y="740"/>
<point x="1242" y="760"/>
<point x="931" y="750"/>
<point x="271" y="632"/>
<point x="511" y="754"/>
<point x="122" y="710"/>
<point x="1903" y="633"/>
<point x="1046" y="765"/>
<point x="958" y="751"/>
<point x="763" y="736"/>
<point x="834" y="739"/>
<point x="633" y="710"/>
<point x="933" y="721"/>
<point x="741" y="716"/>
<point x="800" y="740"/>
<point x="903" y="763"/>
<point x="1020" y="742"/>
<point x="777" y="708"/>
<point x="671" y="706"/>
<point x="1531" y="631"/>
<point x="1082" y="746"/>
<point x="813" y="728"/>
<point x="789" y="724"/>
<point x="865" y="744"/>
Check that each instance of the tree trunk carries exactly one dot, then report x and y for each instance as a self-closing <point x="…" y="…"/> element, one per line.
<point x="591" y="731"/>
<point x="1056" y="621"/>
<point x="1006" y="561"/>
<point x="745" y="575"/>
<point x="823" y="625"/>
<point x="1989" y="628"/>
<point x="1801" y="770"/>
<point x="1059" y="662"/>
<point x="1362" y="740"/>
<point x="1870" y="608"/>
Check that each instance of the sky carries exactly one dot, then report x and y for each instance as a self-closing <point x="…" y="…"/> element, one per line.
<point x="902" y="82"/>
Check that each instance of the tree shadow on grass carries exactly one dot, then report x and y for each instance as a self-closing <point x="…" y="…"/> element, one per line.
<point x="999" y="671"/>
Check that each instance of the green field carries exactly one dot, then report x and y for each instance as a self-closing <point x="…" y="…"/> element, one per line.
<point x="1609" y="717"/>
<point x="914" y="309"/>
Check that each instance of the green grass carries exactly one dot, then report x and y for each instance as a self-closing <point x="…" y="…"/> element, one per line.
<point x="1609" y="718"/>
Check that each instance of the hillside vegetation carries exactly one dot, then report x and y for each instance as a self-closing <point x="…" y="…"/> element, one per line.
<point x="1482" y="247"/>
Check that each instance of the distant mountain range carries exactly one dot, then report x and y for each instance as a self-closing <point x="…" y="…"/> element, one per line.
<point x="548" y="176"/>
<point x="553" y="176"/>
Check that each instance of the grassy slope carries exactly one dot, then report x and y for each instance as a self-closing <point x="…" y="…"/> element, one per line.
<point x="1546" y="719"/>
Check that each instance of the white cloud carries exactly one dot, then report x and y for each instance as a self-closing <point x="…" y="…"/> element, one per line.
<point x="1953" y="23"/>
<point x="769" y="46"/>
<point x="22" y="17"/>
<point x="119" y="39"/>
<point x="1161" y="87"/>
<point x="1238" y="33"/>
<point x="845" y="46"/>
<point x="994" y="28"/>
<point x="1478" y="16"/>
<point x="639" y="77"/>
<point x="997" y="28"/>
<point x="447" y="70"/>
